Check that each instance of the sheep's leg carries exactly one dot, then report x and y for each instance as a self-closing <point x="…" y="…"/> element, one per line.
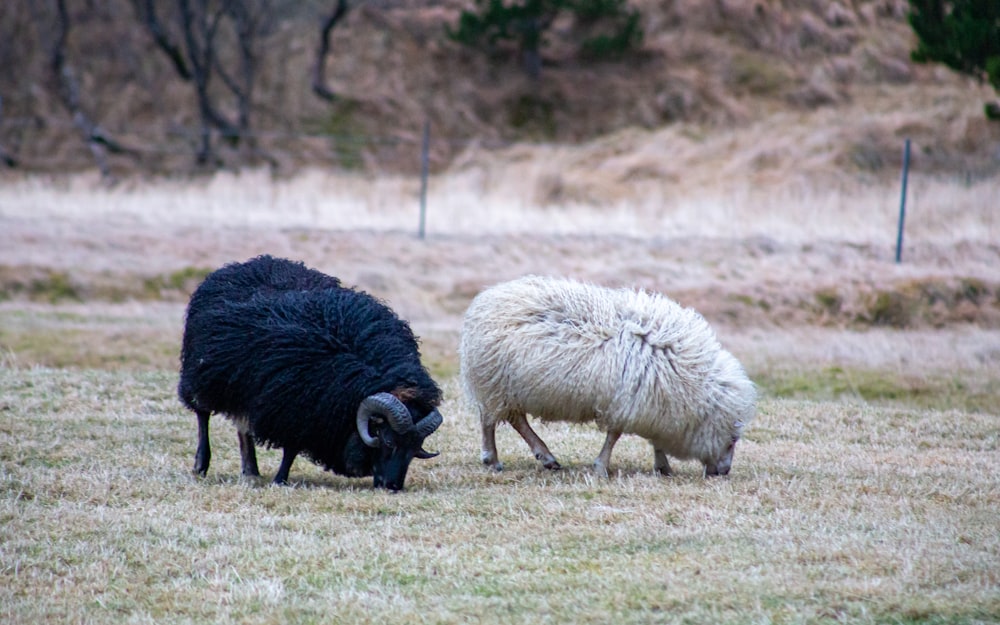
<point x="248" y="455"/>
<point x="203" y="454"/>
<point x="287" y="458"/>
<point x="660" y="462"/>
<point x="489" y="455"/>
<point x="537" y="445"/>
<point x="604" y="458"/>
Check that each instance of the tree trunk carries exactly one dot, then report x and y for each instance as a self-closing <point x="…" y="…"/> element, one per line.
<point x="68" y="91"/>
<point x="319" y="86"/>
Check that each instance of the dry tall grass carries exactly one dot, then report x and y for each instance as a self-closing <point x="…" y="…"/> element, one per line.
<point x="541" y="195"/>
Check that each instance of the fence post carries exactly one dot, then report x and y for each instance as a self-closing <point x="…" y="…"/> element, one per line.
<point x="424" y="166"/>
<point x="902" y="201"/>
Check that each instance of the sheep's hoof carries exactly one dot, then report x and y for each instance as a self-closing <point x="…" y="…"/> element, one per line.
<point x="600" y="470"/>
<point x="552" y="465"/>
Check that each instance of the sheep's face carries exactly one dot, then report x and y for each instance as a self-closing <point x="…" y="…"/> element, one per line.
<point x="393" y="457"/>
<point x="724" y="462"/>
<point x="394" y="434"/>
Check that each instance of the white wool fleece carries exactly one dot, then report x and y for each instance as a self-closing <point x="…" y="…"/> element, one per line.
<point x="631" y="361"/>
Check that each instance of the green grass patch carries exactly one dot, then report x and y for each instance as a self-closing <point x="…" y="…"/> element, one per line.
<point x="345" y="128"/>
<point x="829" y="301"/>
<point x="928" y="301"/>
<point x="184" y="280"/>
<point x="43" y="285"/>
<point x="970" y="392"/>
<point x="533" y="115"/>
<point x="38" y="285"/>
<point x="757" y="75"/>
<point x="68" y="338"/>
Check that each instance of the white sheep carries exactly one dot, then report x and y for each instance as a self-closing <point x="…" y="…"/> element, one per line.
<point x="630" y="361"/>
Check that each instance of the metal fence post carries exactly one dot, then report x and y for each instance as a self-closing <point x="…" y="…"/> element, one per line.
<point x="902" y="201"/>
<point x="424" y="166"/>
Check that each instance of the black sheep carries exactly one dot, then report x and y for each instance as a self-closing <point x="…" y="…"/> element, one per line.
<point x="300" y="362"/>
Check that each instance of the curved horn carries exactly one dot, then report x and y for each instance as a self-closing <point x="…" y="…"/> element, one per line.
<point x="385" y="405"/>
<point x="364" y="415"/>
<point x="428" y="424"/>
<point x="423" y="454"/>
<point x="425" y="428"/>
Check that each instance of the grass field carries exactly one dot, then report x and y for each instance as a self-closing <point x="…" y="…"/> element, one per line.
<point x="858" y="495"/>
<point x="835" y="511"/>
<point x="865" y="491"/>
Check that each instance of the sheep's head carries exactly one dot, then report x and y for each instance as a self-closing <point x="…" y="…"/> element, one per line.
<point x="395" y="437"/>
<point x="734" y="408"/>
<point x="722" y="463"/>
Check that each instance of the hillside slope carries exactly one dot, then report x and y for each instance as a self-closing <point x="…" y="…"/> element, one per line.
<point x="829" y="85"/>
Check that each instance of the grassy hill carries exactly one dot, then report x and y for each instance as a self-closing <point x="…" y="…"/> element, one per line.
<point x="829" y="86"/>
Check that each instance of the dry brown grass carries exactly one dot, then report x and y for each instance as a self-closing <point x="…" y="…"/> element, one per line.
<point x="835" y="511"/>
<point x="662" y="183"/>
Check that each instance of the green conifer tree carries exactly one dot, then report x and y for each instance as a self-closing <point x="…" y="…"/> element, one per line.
<point x="963" y="35"/>
<point x="608" y="28"/>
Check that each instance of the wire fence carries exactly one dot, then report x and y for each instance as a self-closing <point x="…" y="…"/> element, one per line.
<point x="422" y="153"/>
<point x="402" y="151"/>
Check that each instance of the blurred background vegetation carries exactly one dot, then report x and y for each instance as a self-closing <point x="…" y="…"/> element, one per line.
<point x="185" y="86"/>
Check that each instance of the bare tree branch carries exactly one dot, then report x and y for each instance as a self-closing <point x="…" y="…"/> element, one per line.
<point x="68" y="90"/>
<point x="213" y="44"/>
<point x="245" y="20"/>
<point x="8" y="159"/>
<point x="145" y="11"/>
<point x="199" y="31"/>
<point x="249" y="18"/>
<point x="319" y="86"/>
